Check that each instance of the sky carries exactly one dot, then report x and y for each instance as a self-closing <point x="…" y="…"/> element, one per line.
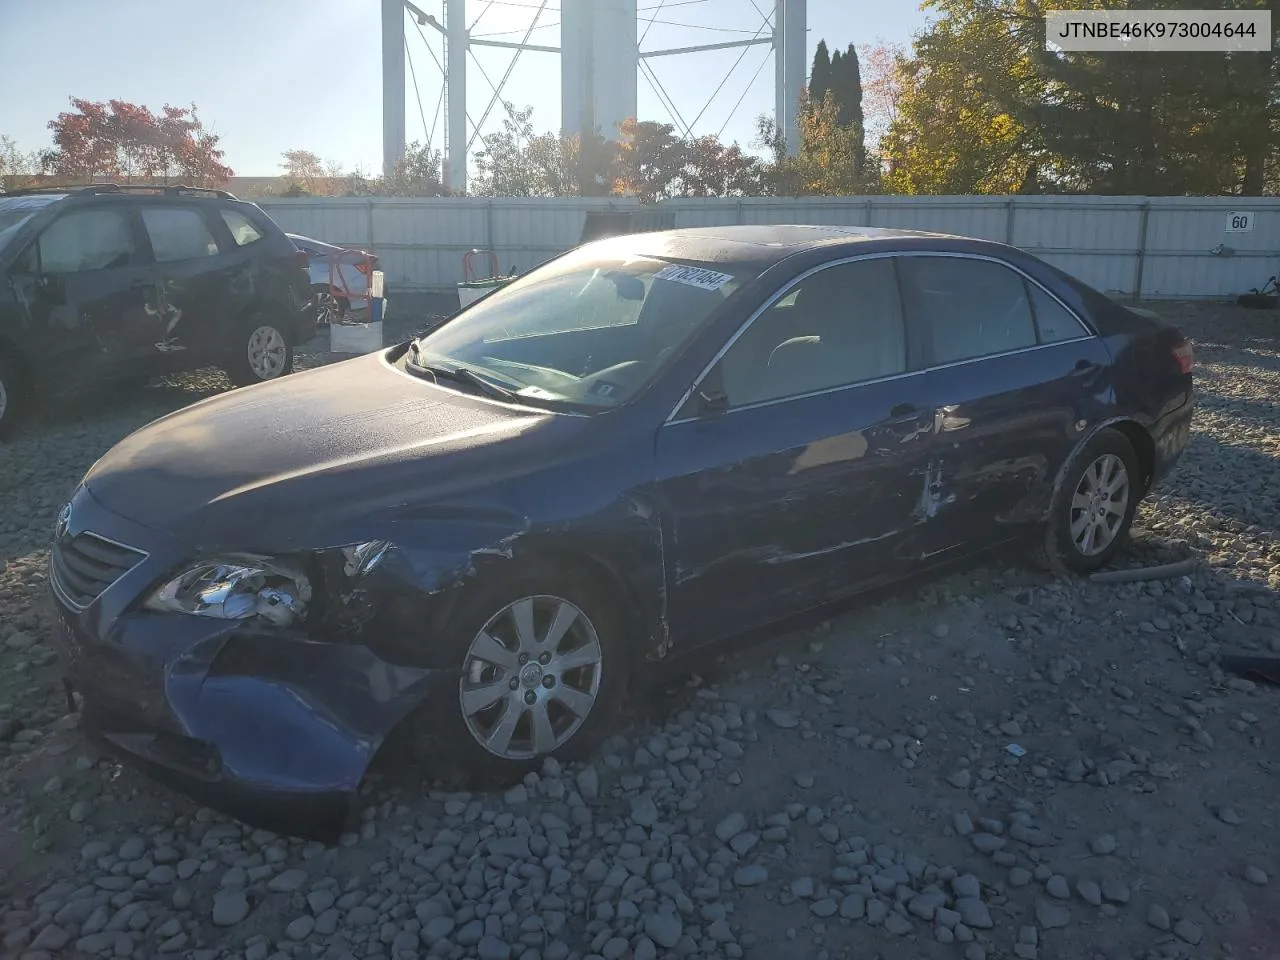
<point x="275" y="75"/>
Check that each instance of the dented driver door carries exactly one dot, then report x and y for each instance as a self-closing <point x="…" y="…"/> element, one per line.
<point x="795" y="469"/>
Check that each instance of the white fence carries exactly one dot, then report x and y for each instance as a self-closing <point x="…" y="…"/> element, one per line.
<point x="1151" y="248"/>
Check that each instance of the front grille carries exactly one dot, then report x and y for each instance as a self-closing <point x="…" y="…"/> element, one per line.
<point x="87" y="564"/>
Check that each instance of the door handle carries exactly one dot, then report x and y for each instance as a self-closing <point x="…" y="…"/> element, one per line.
<point x="1083" y="365"/>
<point x="904" y="410"/>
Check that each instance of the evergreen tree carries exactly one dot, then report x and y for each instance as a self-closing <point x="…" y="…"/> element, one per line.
<point x="820" y="78"/>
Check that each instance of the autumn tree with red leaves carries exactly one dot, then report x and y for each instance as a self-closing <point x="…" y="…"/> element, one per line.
<point x="121" y="140"/>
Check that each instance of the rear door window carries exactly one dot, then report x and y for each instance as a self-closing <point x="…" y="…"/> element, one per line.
<point x="1055" y="322"/>
<point x="963" y="308"/>
<point x="178" y="233"/>
<point x="83" y="240"/>
<point x="243" y="230"/>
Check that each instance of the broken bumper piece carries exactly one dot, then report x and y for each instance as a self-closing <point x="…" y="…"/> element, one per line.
<point x="276" y="730"/>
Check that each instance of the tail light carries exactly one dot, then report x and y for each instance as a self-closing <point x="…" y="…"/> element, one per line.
<point x="1185" y="356"/>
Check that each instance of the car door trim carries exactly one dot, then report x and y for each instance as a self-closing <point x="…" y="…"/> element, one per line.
<point x="787" y="287"/>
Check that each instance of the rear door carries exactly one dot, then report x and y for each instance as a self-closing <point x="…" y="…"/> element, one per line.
<point x="88" y="292"/>
<point x="195" y="277"/>
<point x="1013" y="376"/>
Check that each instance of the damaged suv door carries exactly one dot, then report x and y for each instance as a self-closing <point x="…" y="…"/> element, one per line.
<point x="87" y="289"/>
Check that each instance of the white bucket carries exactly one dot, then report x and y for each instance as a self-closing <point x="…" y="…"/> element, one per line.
<point x="469" y="293"/>
<point x="355" y="337"/>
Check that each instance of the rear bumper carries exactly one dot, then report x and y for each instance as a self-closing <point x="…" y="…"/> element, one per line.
<point x="1171" y="433"/>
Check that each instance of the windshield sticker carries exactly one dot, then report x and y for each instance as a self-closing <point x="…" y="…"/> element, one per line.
<point x="693" y="277"/>
<point x="603" y="388"/>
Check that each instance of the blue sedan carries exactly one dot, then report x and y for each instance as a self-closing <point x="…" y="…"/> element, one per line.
<point x="652" y="443"/>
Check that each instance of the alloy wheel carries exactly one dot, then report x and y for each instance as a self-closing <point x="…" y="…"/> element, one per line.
<point x="1099" y="505"/>
<point x="267" y="352"/>
<point x="328" y="309"/>
<point x="531" y="677"/>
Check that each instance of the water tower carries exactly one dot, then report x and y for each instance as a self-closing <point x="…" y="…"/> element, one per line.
<point x="600" y="62"/>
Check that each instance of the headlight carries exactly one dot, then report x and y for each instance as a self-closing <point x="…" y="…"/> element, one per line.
<point x="236" y="587"/>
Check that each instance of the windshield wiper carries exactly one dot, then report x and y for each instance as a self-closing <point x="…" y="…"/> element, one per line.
<point x="464" y="375"/>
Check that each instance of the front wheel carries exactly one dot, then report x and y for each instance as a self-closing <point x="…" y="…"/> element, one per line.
<point x="1094" y="506"/>
<point x="543" y="671"/>
<point x="262" y="352"/>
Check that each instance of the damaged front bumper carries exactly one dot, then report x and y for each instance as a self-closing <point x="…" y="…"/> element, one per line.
<point x="266" y="723"/>
<point x="263" y="727"/>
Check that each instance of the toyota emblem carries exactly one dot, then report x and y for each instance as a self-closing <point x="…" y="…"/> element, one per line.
<point x="64" y="521"/>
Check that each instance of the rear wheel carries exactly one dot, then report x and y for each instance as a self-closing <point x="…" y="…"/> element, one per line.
<point x="262" y="352"/>
<point x="13" y="395"/>
<point x="543" y="663"/>
<point x="1094" y="507"/>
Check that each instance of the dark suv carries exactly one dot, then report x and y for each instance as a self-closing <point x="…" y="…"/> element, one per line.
<point x="109" y="282"/>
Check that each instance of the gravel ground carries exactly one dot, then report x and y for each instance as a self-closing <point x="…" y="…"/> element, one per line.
<point x="995" y="764"/>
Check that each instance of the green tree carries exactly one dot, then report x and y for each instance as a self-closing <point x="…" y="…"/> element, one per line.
<point x="820" y="75"/>
<point x="987" y="109"/>
<point x="17" y="168"/>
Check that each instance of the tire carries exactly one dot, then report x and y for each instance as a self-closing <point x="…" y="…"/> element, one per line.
<point x="262" y="351"/>
<point x="1064" y="546"/>
<point x="13" y="396"/>
<point x="473" y="726"/>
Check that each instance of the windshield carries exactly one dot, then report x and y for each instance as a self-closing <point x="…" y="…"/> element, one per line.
<point x="15" y="211"/>
<point x="590" y="329"/>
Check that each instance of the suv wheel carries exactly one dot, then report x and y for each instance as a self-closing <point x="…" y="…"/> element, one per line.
<point x="263" y="352"/>
<point x="12" y="396"/>
<point x="330" y="308"/>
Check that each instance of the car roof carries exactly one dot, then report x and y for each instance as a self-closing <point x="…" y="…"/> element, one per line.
<point x="760" y="246"/>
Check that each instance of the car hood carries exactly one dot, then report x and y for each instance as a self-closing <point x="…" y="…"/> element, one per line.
<point x="282" y="464"/>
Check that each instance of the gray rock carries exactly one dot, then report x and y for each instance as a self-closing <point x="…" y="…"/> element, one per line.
<point x="1189" y="931"/>
<point x="966" y="885"/>
<point x="300" y="928"/>
<point x="853" y="907"/>
<point x="730" y="827"/>
<point x="288" y="881"/>
<point x="783" y="719"/>
<point x="588" y="781"/>
<point x="665" y="929"/>
<point x="960" y="779"/>
<point x="1019" y="877"/>
<point x="988" y="842"/>
<point x="437" y="928"/>
<point x="826" y="907"/>
<point x="644" y="812"/>
<point x="962" y="823"/>
<point x="897" y="924"/>
<point x="1103" y="845"/>
<point x="1057" y="886"/>
<point x="802" y="887"/>
<point x="750" y="876"/>
<point x="926" y="905"/>
<point x="80" y="811"/>
<point x="1050" y="915"/>
<point x="1089" y="892"/>
<point x="132" y="849"/>
<point x="974" y="913"/>
<point x="229" y="908"/>
<point x="52" y="937"/>
<point x="877" y="910"/>
<point x="1228" y="815"/>
<point x="1158" y="917"/>
<point x="491" y="948"/>
<point x="1115" y="890"/>
<point x="1256" y="875"/>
